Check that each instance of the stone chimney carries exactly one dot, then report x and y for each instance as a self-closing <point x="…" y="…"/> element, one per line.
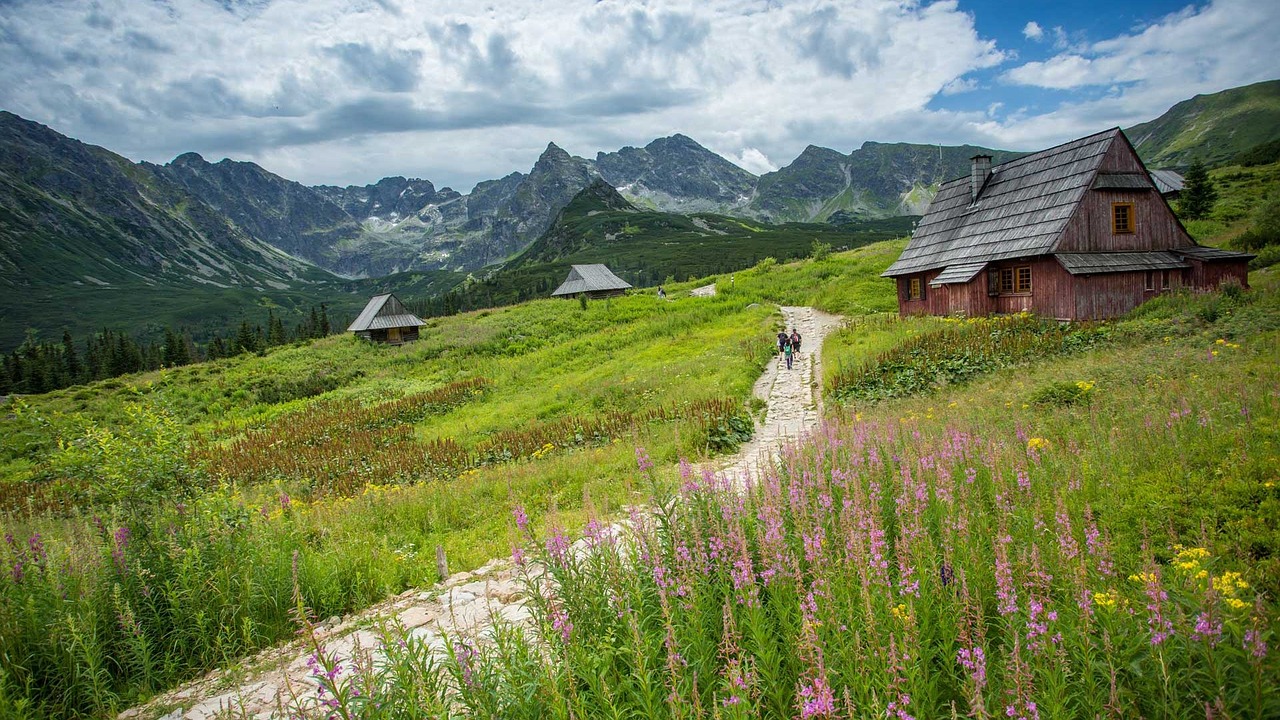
<point x="978" y="176"/>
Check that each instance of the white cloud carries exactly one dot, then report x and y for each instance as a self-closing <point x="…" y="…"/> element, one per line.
<point x="754" y="161"/>
<point x="340" y="91"/>
<point x="1033" y="31"/>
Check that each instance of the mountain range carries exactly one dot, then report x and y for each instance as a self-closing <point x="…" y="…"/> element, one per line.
<point x="79" y="221"/>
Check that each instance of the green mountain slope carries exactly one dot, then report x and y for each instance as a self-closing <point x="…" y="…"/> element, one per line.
<point x="1210" y="128"/>
<point x="646" y="247"/>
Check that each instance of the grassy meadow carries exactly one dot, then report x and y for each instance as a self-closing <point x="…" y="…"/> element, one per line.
<point x="155" y="524"/>
<point x="1090" y="533"/>
<point x="1000" y="518"/>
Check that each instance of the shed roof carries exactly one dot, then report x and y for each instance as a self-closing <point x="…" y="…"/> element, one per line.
<point x="1122" y="181"/>
<point x="590" y="278"/>
<point x="382" y="312"/>
<point x="1021" y="210"/>
<point x="1166" y="181"/>
<point x="958" y="273"/>
<point x="1210" y="254"/>
<point x="1097" y="263"/>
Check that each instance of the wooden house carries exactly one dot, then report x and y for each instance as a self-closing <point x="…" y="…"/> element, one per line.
<point x="386" y="320"/>
<point x="594" y="281"/>
<point x="1075" y="232"/>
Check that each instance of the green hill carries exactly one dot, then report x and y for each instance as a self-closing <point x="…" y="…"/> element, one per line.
<point x="1210" y="128"/>
<point x="647" y="248"/>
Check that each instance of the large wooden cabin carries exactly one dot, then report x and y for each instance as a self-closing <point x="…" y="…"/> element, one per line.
<point x="1075" y="232"/>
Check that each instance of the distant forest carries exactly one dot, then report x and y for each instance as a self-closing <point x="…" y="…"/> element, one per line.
<point x="41" y="366"/>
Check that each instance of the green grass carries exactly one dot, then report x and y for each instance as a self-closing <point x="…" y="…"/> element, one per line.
<point x="205" y="566"/>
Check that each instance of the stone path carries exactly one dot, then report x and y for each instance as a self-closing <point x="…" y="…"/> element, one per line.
<point x="466" y="603"/>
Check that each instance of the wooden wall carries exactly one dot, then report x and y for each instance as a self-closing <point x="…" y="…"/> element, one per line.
<point x="1208" y="276"/>
<point x="1090" y="228"/>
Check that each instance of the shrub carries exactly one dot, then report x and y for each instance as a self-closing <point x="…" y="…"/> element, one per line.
<point x="1063" y="394"/>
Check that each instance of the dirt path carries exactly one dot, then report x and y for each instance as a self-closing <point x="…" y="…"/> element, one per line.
<point x="465" y="603"/>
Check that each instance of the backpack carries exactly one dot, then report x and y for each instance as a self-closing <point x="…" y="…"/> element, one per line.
<point x="795" y="339"/>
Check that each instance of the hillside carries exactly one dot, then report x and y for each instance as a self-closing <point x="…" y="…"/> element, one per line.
<point x="1210" y="128"/>
<point x="647" y="248"/>
<point x="200" y="497"/>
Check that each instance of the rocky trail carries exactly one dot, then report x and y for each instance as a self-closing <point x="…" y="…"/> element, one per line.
<point x="467" y="603"/>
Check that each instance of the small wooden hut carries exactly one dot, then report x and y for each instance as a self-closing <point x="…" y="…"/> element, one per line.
<point x="1076" y="232"/>
<point x="594" y="281"/>
<point x="386" y="320"/>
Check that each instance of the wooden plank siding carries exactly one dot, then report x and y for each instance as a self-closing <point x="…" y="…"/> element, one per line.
<point x="1155" y="225"/>
<point x="1209" y="275"/>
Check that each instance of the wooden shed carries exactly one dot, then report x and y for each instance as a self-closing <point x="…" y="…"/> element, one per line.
<point x="594" y="281"/>
<point x="386" y="320"/>
<point x="1076" y="232"/>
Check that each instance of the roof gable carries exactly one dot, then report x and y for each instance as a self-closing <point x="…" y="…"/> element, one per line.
<point x="1020" y="212"/>
<point x="590" y="278"/>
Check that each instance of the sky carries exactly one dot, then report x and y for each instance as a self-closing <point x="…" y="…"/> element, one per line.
<point x="348" y="91"/>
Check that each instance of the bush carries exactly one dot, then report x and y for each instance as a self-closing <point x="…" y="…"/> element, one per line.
<point x="1063" y="394"/>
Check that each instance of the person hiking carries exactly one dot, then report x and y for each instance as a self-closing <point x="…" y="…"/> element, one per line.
<point x="787" y="352"/>
<point x="795" y="341"/>
<point x="783" y="340"/>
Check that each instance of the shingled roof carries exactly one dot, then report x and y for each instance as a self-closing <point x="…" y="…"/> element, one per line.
<point x="590" y="278"/>
<point x="382" y="312"/>
<point x="1020" y="212"/>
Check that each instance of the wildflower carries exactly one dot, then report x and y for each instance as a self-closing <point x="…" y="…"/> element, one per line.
<point x="1229" y="583"/>
<point x="816" y="699"/>
<point x="558" y="546"/>
<point x="1106" y="599"/>
<point x="517" y="555"/>
<point x="975" y="661"/>
<point x="522" y="520"/>
<point x="643" y="461"/>
<point x="561" y="623"/>
<point x="121" y="541"/>
<point x="1254" y="643"/>
<point x="1005" y="591"/>
<point x="1206" y="629"/>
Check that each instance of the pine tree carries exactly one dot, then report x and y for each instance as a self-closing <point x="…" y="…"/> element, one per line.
<point x="70" y="359"/>
<point x="275" y="330"/>
<point x="324" y="320"/>
<point x="1198" y="193"/>
<point x="313" y="324"/>
<point x="246" y="340"/>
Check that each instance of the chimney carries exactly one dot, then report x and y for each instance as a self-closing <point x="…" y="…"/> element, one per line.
<point x="978" y="176"/>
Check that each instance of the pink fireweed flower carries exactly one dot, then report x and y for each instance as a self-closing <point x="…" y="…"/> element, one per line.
<point x="558" y="547"/>
<point x="816" y="698"/>
<point x="1207" y="629"/>
<point x="464" y="653"/>
<point x="974" y="660"/>
<point x="1005" y="590"/>
<point x="643" y="461"/>
<point x="522" y="519"/>
<point x="1024" y="480"/>
<point x="120" y="542"/>
<point x="561" y="623"/>
<point x="1161" y="627"/>
<point x="517" y="555"/>
<point x="1255" y="645"/>
<point x="898" y="708"/>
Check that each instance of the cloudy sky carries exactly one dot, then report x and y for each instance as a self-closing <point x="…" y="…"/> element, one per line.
<point x="348" y="91"/>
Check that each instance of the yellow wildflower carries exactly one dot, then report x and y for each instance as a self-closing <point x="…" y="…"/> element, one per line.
<point x="1219" y="341"/>
<point x="1236" y="603"/>
<point x="1229" y="583"/>
<point x="1037" y="443"/>
<point x="1106" y="599"/>
<point x="1084" y="385"/>
<point x="900" y="612"/>
<point x="1143" y="577"/>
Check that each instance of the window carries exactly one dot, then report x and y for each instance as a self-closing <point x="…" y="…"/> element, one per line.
<point x="1122" y="220"/>
<point x="1164" y="279"/>
<point x="1009" y="281"/>
<point x="1151" y="280"/>
<point x="1022" y="280"/>
<point x="915" y="289"/>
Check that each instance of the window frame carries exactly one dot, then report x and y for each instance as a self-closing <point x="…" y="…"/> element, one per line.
<point x="1131" y="220"/>
<point x="915" y="288"/>
<point x="1012" y="280"/>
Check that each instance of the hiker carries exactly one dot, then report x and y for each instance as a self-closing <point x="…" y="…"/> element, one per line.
<point x="661" y="293"/>
<point x="787" y="352"/>
<point x="783" y="341"/>
<point x="795" y="341"/>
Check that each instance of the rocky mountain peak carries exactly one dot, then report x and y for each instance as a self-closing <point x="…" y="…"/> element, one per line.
<point x="189" y="159"/>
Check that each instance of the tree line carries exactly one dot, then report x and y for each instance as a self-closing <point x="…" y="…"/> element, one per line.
<point x="38" y="366"/>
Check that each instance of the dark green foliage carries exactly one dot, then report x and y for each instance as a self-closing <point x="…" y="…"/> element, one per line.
<point x="955" y="355"/>
<point x="646" y="248"/>
<point x="276" y="389"/>
<point x="1198" y="193"/>
<point x="1062" y="394"/>
<point x="1266" y="226"/>
<point x="1263" y="154"/>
